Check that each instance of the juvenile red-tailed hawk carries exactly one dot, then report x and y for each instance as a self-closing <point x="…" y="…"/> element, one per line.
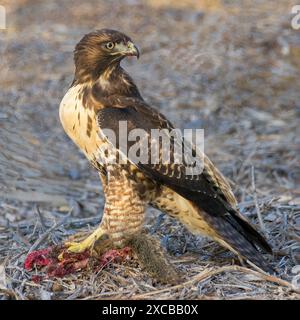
<point x="103" y="94"/>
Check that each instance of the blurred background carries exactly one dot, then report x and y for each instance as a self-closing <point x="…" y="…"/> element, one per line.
<point x="230" y="67"/>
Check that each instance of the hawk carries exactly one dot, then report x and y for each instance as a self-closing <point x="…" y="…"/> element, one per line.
<point x="103" y="94"/>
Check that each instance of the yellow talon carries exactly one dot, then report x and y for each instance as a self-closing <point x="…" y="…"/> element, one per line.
<point x="88" y="243"/>
<point x="61" y="256"/>
<point x="78" y="247"/>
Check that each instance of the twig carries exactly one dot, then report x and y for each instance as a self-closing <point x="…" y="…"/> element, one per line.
<point x="210" y="273"/>
<point x="39" y="241"/>
<point x="245" y="163"/>
<point x="41" y="218"/>
<point x="260" y="220"/>
<point x="250" y="203"/>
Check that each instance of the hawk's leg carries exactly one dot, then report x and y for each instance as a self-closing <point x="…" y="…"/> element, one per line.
<point x="123" y="213"/>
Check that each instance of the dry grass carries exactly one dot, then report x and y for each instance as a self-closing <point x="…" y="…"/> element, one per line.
<point x="233" y="70"/>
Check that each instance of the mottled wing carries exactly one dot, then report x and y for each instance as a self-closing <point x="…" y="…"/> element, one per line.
<point x="203" y="189"/>
<point x="139" y="115"/>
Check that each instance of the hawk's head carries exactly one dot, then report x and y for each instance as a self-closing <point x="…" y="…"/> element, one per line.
<point x="100" y="50"/>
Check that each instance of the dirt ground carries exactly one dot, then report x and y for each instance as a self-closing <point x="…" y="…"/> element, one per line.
<point x="230" y="67"/>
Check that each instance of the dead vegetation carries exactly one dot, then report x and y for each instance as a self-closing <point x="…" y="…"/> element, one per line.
<point x="232" y="69"/>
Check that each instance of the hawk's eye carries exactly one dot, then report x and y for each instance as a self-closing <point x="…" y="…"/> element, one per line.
<point x="109" y="45"/>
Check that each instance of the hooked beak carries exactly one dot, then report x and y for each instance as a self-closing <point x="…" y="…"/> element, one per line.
<point x="132" y="50"/>
<point x="126" y="49"/>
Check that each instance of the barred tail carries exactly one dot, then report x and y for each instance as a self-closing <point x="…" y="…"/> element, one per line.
<point x="241" y="238"/>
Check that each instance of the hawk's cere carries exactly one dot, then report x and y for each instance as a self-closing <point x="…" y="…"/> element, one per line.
<point x="101" y="95"/>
